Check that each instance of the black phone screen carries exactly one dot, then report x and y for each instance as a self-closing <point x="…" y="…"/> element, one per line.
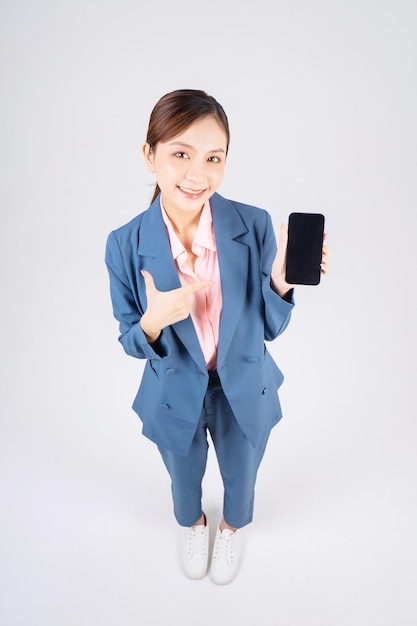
<point x="304" y="248"/>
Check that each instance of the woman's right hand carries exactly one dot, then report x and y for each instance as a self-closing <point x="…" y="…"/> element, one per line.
<point x="166" y="307"/>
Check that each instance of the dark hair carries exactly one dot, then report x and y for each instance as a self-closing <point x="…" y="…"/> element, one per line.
<point x="176" y="111"/>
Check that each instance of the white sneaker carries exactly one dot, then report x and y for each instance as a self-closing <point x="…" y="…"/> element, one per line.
<point x="195" y="550"/>
<point x="226" y="556"/>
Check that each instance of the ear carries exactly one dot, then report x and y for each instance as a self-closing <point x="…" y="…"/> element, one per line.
<point x="149" y="157"/>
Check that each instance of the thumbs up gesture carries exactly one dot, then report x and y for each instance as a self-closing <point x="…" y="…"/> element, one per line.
<point x="166" y="307"/>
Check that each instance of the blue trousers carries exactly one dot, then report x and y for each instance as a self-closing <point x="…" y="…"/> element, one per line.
<point x="238" y="462"/>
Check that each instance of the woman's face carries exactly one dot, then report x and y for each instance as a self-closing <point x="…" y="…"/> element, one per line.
<point x="190" y="167"/>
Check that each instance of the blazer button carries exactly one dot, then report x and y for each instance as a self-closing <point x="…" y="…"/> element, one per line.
<point x="252" y="359"/>
<point x="164" y="406"/>
<point x="264" y="390"/>
<point x="170" y="370"/>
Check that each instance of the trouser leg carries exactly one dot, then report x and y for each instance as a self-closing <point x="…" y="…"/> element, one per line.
<point x="187" y="474"/>
<point x="238" y="460"/>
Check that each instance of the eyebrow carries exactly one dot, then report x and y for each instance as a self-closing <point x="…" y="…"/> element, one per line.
<point x="187" y="145"/>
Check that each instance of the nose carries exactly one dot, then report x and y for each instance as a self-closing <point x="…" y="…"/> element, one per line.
<point x="195" y="172"/>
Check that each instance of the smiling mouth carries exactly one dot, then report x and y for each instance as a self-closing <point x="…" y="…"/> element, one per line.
<point x="191" y="192"/>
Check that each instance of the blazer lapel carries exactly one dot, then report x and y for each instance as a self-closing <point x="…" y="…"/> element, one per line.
<point x="233" y="257"/>
<point x="156" y="257"/>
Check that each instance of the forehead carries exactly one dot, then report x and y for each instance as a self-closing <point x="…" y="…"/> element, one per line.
<point x="206" y="133"/>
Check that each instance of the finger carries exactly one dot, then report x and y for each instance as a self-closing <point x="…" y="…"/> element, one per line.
<point x="202" y="284"/>
<point x="149" y="282"/>
<point x="324" y="267"/>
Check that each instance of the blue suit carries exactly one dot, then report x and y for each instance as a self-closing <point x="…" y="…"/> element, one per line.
<point x="174" y="383"/>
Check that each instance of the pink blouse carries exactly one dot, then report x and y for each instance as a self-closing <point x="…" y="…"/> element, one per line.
<point x="205" y="304"/>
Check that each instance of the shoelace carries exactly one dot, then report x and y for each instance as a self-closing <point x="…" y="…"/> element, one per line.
<point x="224" y="548"/>
<point x="196" y="541"/>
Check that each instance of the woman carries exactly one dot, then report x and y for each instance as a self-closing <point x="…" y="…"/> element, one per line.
<point x="197" y="286"/>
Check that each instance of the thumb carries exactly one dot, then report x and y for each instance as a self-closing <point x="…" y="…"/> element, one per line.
<point x="283" y="237"/>
<point x="149" y="282"/>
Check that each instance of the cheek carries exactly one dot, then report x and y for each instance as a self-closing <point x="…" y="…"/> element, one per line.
<point x="167" y="170"/>
<point x="218" y="175"/>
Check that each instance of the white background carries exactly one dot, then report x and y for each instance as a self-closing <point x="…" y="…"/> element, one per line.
<point x="322" y="103"/>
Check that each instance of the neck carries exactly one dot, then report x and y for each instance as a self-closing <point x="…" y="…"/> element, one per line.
<point x="184" y="222"/>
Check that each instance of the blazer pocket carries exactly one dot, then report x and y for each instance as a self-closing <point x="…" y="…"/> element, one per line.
<point x="154" y="365"/>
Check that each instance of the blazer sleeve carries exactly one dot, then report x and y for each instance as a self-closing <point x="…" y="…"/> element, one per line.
<point x="127" y="308"/>
<point x="277" y="309"/>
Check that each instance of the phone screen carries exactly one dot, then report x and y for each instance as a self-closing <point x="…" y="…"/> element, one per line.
<point x="304" y="248"/>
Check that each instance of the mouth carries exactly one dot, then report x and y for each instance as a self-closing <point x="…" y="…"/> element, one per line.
<point x="191" y="193"/>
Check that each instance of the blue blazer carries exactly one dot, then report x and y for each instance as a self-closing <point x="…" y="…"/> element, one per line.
<point x="174" y="381"/>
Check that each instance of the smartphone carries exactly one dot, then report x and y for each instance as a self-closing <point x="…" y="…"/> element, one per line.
<point x="304" y="248"/>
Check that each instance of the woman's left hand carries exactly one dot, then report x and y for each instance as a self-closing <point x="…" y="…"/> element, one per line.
<point x="278" y="282"/>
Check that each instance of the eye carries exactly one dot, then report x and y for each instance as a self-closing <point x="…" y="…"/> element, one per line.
<point x="214" y="159"/>
<point x="181" y="155"/>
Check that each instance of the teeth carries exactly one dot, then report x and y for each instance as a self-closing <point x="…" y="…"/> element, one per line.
<point x="193" y="191"/>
